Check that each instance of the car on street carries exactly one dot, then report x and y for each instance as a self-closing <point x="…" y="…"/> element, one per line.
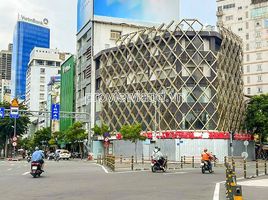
<point x="64" y="154"/>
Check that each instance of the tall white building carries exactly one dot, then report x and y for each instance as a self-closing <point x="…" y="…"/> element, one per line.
<point x="249" y="20"/>
<point x="43" y="64"/>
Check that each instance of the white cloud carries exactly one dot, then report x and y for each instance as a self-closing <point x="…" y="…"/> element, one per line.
<point x="61" y="15"/>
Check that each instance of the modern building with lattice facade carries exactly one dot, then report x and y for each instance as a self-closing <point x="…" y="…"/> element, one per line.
<point x="181" y="76"/>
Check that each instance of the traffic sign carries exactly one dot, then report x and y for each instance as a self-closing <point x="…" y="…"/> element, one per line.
<point x="244" y="155"/>
<point x="14" y="112"/>
<point x="106" y="139"/>
<point x="2" y="112"/>
<point x="55" y="112"/>
<point x="14" y="139"/>
<point x="14" y="144"/>
<point x="246" y="143"/>
<point x="15" y="103"/>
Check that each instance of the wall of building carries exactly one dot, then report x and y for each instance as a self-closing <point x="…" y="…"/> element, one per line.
<point x="67" y="91"/>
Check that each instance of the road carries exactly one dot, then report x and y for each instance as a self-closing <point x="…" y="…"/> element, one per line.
<point x="79" y="180"/>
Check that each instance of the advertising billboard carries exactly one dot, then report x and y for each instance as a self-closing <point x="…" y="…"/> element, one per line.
<point x="157" y="11"/>
<point x="84" y="13"/>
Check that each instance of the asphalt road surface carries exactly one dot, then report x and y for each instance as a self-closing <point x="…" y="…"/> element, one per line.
<point x="80" y="180"/>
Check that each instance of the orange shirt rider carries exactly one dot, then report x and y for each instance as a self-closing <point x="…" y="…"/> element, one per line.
<point x="206" y="156"/>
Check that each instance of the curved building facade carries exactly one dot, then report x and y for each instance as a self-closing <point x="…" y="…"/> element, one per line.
<point x="178" y="77"/>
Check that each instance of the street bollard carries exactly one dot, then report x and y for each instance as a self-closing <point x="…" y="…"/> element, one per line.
<point x="193" y="161"/>
<point x="132" y="163"/>
<point x="225" y="160"/>
<point x="265" y="167"/>
<point x="121" y="159"/>
<point x="245" y="168"/>
<point x="184" y="159"/>
<point x="142" y="159"/>
<point x="181" y="162"/>
<point x="233" y="164"/>
<point x="237" y="191"/>
<point x="257" y="167"/>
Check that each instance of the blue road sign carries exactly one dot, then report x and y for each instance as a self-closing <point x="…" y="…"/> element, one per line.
<point x="14" y="112"/>
<point x="2" y="112"/>
<point x="55" y="112"/>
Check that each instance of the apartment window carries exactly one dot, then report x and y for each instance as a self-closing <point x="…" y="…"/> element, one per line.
<point x="247" y="14"/>
<point x="228" y="18"/>
<point x="98" y="83"/>
<point x="42" y="96"/>
<point x="240" y="7"/>
<point x="42" y="88"/>
<point x="219" y="8"/>
<point x="247" y="47"/>
<point x="228" y="6"/>
<point x="84" y="92"/>
<point x="247" y="36"/>
<point x="246" y="25"/>
<point x="50" y="63"/>
<point x="258" y="45"/>
<point x="40" y="62"/>
<point x="42" y="79"/>
<point x="259" y="90"/>
<point x="248" y="58"/>
<point x="259" y="68"/>
<point x="57" y="64"/>
<point x="248" y="79"/>
<point x="240" y="29"/>
<point x="42" y="70"/>
<point x="249" y="90"/>
<point x="258" y="56"/>
<point x="248" y="68"/>
<point x="258" y="34"/>
<point x="115" y="35"/>
<point x="240" y="18"/>
<point x="84" y="74"/>
<point x="259" y="78"/>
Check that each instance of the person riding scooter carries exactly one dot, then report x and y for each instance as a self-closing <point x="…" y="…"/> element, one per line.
<point x="206" y="156"/>
<point x="38" y="156"/>
<point x="158" y="156"/>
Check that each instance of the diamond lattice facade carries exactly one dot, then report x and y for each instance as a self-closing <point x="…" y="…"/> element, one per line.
<point x="187" y="60"/>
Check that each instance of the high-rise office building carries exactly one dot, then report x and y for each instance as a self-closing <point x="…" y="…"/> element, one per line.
<point x="29" y="33"/>
<point x="249" y="20"/>
<point x="5" y="63"/>
<point x="99" y="26"/>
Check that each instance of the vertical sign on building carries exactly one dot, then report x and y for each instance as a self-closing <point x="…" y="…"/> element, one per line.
<point x="2" y="112"/>
<point x="55" y="112"/>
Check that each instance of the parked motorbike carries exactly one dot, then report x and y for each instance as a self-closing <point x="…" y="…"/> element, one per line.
<point x="159" y="165"/>
<point x="29" y="158"/>
<point x="206" y="167"/>
<point x="36" y="169"/>
<point x="51" y="156"/>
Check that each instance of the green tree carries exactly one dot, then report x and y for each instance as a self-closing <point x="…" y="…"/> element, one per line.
<point x="100" y="130"/>
<point x="41" y="137"/>
<point x="256" y="121"/>
<point x="133" y="134"/>
<point x="76" y="134"/>
<point x="7" y="125"/>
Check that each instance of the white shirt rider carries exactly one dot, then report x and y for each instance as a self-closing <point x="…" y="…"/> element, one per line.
<point x="157" y="154"/>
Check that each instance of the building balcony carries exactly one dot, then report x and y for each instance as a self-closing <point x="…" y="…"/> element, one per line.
<point x="219" y="13"/>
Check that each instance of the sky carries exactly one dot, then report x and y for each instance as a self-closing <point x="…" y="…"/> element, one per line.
<point x="62" y="16"/>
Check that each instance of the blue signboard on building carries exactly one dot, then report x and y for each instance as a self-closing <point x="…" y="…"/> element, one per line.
<point x="2" y="112"/>
<point x="55" y="112"/>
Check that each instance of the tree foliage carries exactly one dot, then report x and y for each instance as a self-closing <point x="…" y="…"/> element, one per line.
<point x="100" y="130"/>
<point x="132" y="132"/>
<point x="256" y="121"/>
<point x="41" y="137"/>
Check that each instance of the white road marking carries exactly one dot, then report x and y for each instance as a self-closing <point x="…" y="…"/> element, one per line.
<point x="255" y="183"/>
<point x="25" y="173"/>
<point x="216" y="195"/>
<point x="9" y="169"/>
<point x="127" y="172"/>
<point x="104" y="169"/>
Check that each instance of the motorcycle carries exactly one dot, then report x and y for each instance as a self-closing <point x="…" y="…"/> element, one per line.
<point x="206" y="167"/>
<point x="36" y="169"/>
<point x="159" y="165"/>
<point x="29" y="158"/>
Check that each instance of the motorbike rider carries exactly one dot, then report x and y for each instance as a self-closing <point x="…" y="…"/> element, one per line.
<point x="206" y="156"/>
<point x="158" y="156"/>
<point x="38" y="156"/>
